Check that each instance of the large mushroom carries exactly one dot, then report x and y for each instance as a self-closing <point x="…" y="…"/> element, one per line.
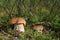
<point x="18" y="23"/>
<point x="38" y="27"/>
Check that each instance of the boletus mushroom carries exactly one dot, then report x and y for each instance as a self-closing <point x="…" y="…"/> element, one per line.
<point x="18" y="23"/>
<point x="38" y="27"/>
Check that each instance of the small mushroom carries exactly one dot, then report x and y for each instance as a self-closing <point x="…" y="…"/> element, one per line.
<point x="38" y="27"/>
<point x="18" y="23"/>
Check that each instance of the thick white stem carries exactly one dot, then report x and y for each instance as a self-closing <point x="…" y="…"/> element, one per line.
<point x="19" y="28"/>
<point x="40" y="31"/>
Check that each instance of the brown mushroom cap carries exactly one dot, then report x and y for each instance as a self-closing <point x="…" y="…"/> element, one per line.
<point x="38" y="27"/>
<point x="17" y="20"/>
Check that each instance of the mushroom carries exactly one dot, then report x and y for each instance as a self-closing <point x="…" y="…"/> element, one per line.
<point x="18" y="23"/>
<point x="38" y="27"/>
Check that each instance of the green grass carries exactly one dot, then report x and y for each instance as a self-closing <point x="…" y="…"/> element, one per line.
<point x="30" y="32"/>
<point x="40" y="11"/>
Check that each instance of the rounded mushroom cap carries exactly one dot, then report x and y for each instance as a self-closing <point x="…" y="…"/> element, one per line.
<point x="38" y="27"/>
<point x="17" y="20"/>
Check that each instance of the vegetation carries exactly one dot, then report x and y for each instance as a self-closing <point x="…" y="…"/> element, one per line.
<point x="35" y="12"/>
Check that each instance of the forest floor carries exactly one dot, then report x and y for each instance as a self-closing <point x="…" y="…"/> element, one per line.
<point x="29" y="34"/>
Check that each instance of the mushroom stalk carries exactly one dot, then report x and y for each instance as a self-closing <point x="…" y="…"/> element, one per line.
<point x="19" y="28"/>
<point x="40" y="31"/>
